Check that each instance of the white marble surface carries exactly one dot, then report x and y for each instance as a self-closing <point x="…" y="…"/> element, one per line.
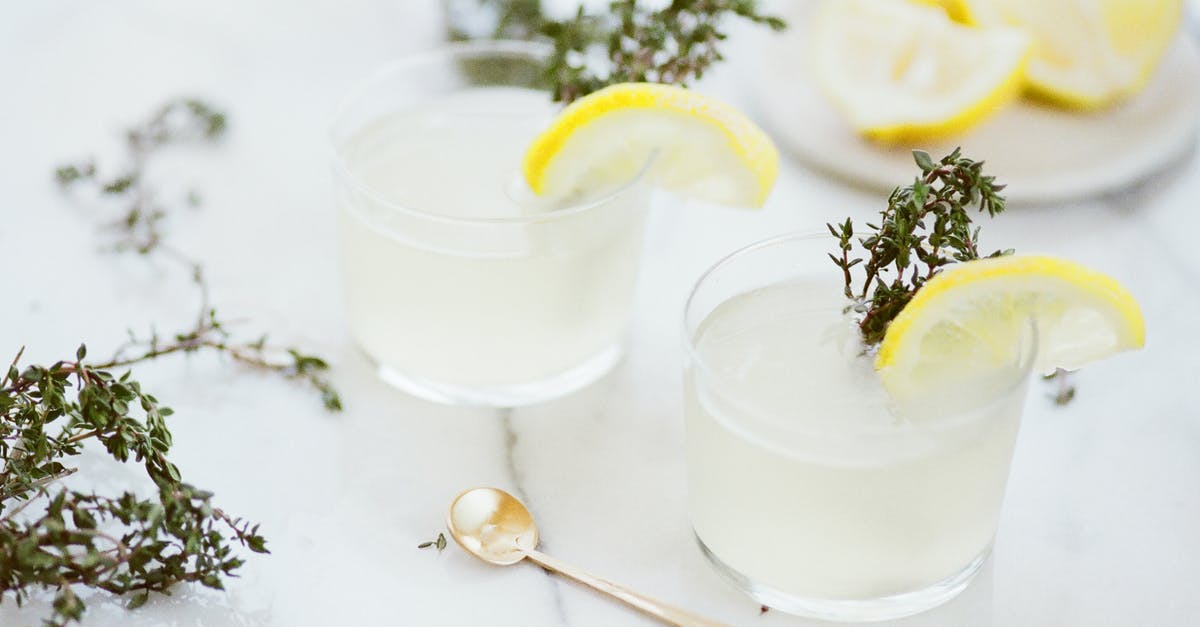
<point x="1103" y="505"/>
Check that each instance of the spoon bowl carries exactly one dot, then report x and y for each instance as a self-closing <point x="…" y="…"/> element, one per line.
<point x="493" y="525"/>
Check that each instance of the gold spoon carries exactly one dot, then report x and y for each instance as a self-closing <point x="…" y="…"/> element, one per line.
<point x="495" y="526"/>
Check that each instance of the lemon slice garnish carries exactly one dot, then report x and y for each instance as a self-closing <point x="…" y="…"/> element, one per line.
<point x="905" y="72"/>
<point x="969" y="319"/>
<point x="698" y="147"/>
<point x="1087" y="53"/>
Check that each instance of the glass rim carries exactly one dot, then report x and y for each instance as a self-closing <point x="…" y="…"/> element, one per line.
<point x="483" y="47"/>
<point x="692" y="354"/>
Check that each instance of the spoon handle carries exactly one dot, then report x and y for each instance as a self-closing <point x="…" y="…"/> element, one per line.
<point x="663" y="612"/>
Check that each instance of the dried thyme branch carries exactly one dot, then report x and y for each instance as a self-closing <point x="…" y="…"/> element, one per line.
<point x="58" y="538"/>
<point x="212" y="334"/>
<point x="675" y="44"/>
<point x="140" y="229"/>
<point x="925" y="227"/>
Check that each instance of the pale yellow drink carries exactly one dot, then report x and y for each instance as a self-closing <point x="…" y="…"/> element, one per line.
<point x="458" y="281"/>
<point x="810" y="485"/>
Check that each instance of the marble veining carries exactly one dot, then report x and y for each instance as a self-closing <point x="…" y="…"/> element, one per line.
<point x="515" y="474"/>
<point x="1101" y="510"/>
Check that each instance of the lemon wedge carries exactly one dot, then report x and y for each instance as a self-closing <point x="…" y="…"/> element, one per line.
<point x="902" y="72"/>
<point x="696" y="146"/>
<point x="1087" y="54"/>
<point x="970" y="319"/>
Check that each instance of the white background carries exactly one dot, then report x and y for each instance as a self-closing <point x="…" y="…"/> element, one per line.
<point x="1100" y="522"/>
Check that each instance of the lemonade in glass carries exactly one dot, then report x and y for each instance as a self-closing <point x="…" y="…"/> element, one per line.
<point x="490" y="239"/>
<point x="809" y="486"/>
<point x="848" y="450"/>
<point x="460" y="284"/>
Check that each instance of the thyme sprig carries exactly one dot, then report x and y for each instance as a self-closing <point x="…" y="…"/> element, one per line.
<point x="212" y="334"/>
<point x="674" y="45"/>
<point x="124" y="544"/>
<point x="926" y="226"/>
<point x="140" y="229"/>
<point x="140" y="226"/>
<point x="58" y="538"/>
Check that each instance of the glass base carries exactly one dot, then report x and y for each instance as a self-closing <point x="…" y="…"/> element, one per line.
<point x="512" y="395"/>
<point x="848" y="610"/>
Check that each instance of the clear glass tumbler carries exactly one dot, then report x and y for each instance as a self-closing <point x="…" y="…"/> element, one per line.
<point x="810" y="487"/>
<point x="459" y="284"/>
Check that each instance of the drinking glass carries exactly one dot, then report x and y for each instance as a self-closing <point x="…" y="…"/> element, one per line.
<point x="495" y="302"/>
<point x="809" y="485"/>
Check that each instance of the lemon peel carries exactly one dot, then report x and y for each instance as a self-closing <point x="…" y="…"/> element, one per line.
<point x="701" y="147"/>
<point x="978" y="307"/>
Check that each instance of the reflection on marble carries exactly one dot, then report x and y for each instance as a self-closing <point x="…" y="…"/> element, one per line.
<point x="1099" y="523"/>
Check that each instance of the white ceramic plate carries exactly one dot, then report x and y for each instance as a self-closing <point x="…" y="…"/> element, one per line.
<point x="1045" y="155"/>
